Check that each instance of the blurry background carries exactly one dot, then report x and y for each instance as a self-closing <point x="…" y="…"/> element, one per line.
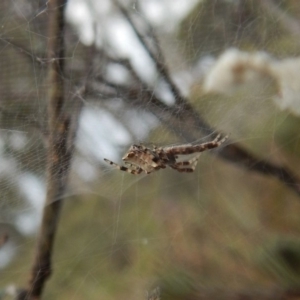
<point x="122" y="235"/>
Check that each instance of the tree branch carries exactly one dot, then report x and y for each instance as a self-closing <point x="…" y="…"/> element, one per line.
<point x="190" y="125"/>
<point x="59" y="153"/>
<point x="191" y="120"/>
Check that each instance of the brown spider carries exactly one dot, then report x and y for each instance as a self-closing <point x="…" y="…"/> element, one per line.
<point x="140" y="158"/>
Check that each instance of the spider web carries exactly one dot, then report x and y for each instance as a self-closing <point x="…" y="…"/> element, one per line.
<point x="122" y="235"/>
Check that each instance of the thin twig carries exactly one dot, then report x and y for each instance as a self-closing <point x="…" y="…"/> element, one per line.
<point x="157" y="57"/>
<point x="188" y="117"/>
<point x="189" y="126"/>
<point x="25" y="52"/>
<point x="58" y="153"/>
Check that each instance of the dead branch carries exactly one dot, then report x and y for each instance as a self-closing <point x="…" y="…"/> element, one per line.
<point x="155" y="54"/>
<point x="190" y="125"/>
<point x="182" y="115"/>
<point x="58" y="153"/>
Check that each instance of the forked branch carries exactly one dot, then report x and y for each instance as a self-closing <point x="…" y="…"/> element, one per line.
<point x="186" y="117"/>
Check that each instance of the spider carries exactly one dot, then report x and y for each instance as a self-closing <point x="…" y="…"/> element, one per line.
<point x="140" y="159"/>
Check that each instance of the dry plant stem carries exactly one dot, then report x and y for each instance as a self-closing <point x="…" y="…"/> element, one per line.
<point x="22" y="50"/>
<point x="190" y="118"/>
<point x="59" y="154"/>
<point x="157" y="57"/>
<point x="190" y="125"/>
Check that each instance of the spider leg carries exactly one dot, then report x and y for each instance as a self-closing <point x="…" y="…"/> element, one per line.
<point x="209" y="145"/>
<point x="189" y="148"/>
<point x="181" y="170"/>
<point x="134" y="171"/>
<point x="219" y="140"/>
<point x="192" y="163"/>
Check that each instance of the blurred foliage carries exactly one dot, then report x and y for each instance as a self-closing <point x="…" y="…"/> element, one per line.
<point x="215" y="25"/>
